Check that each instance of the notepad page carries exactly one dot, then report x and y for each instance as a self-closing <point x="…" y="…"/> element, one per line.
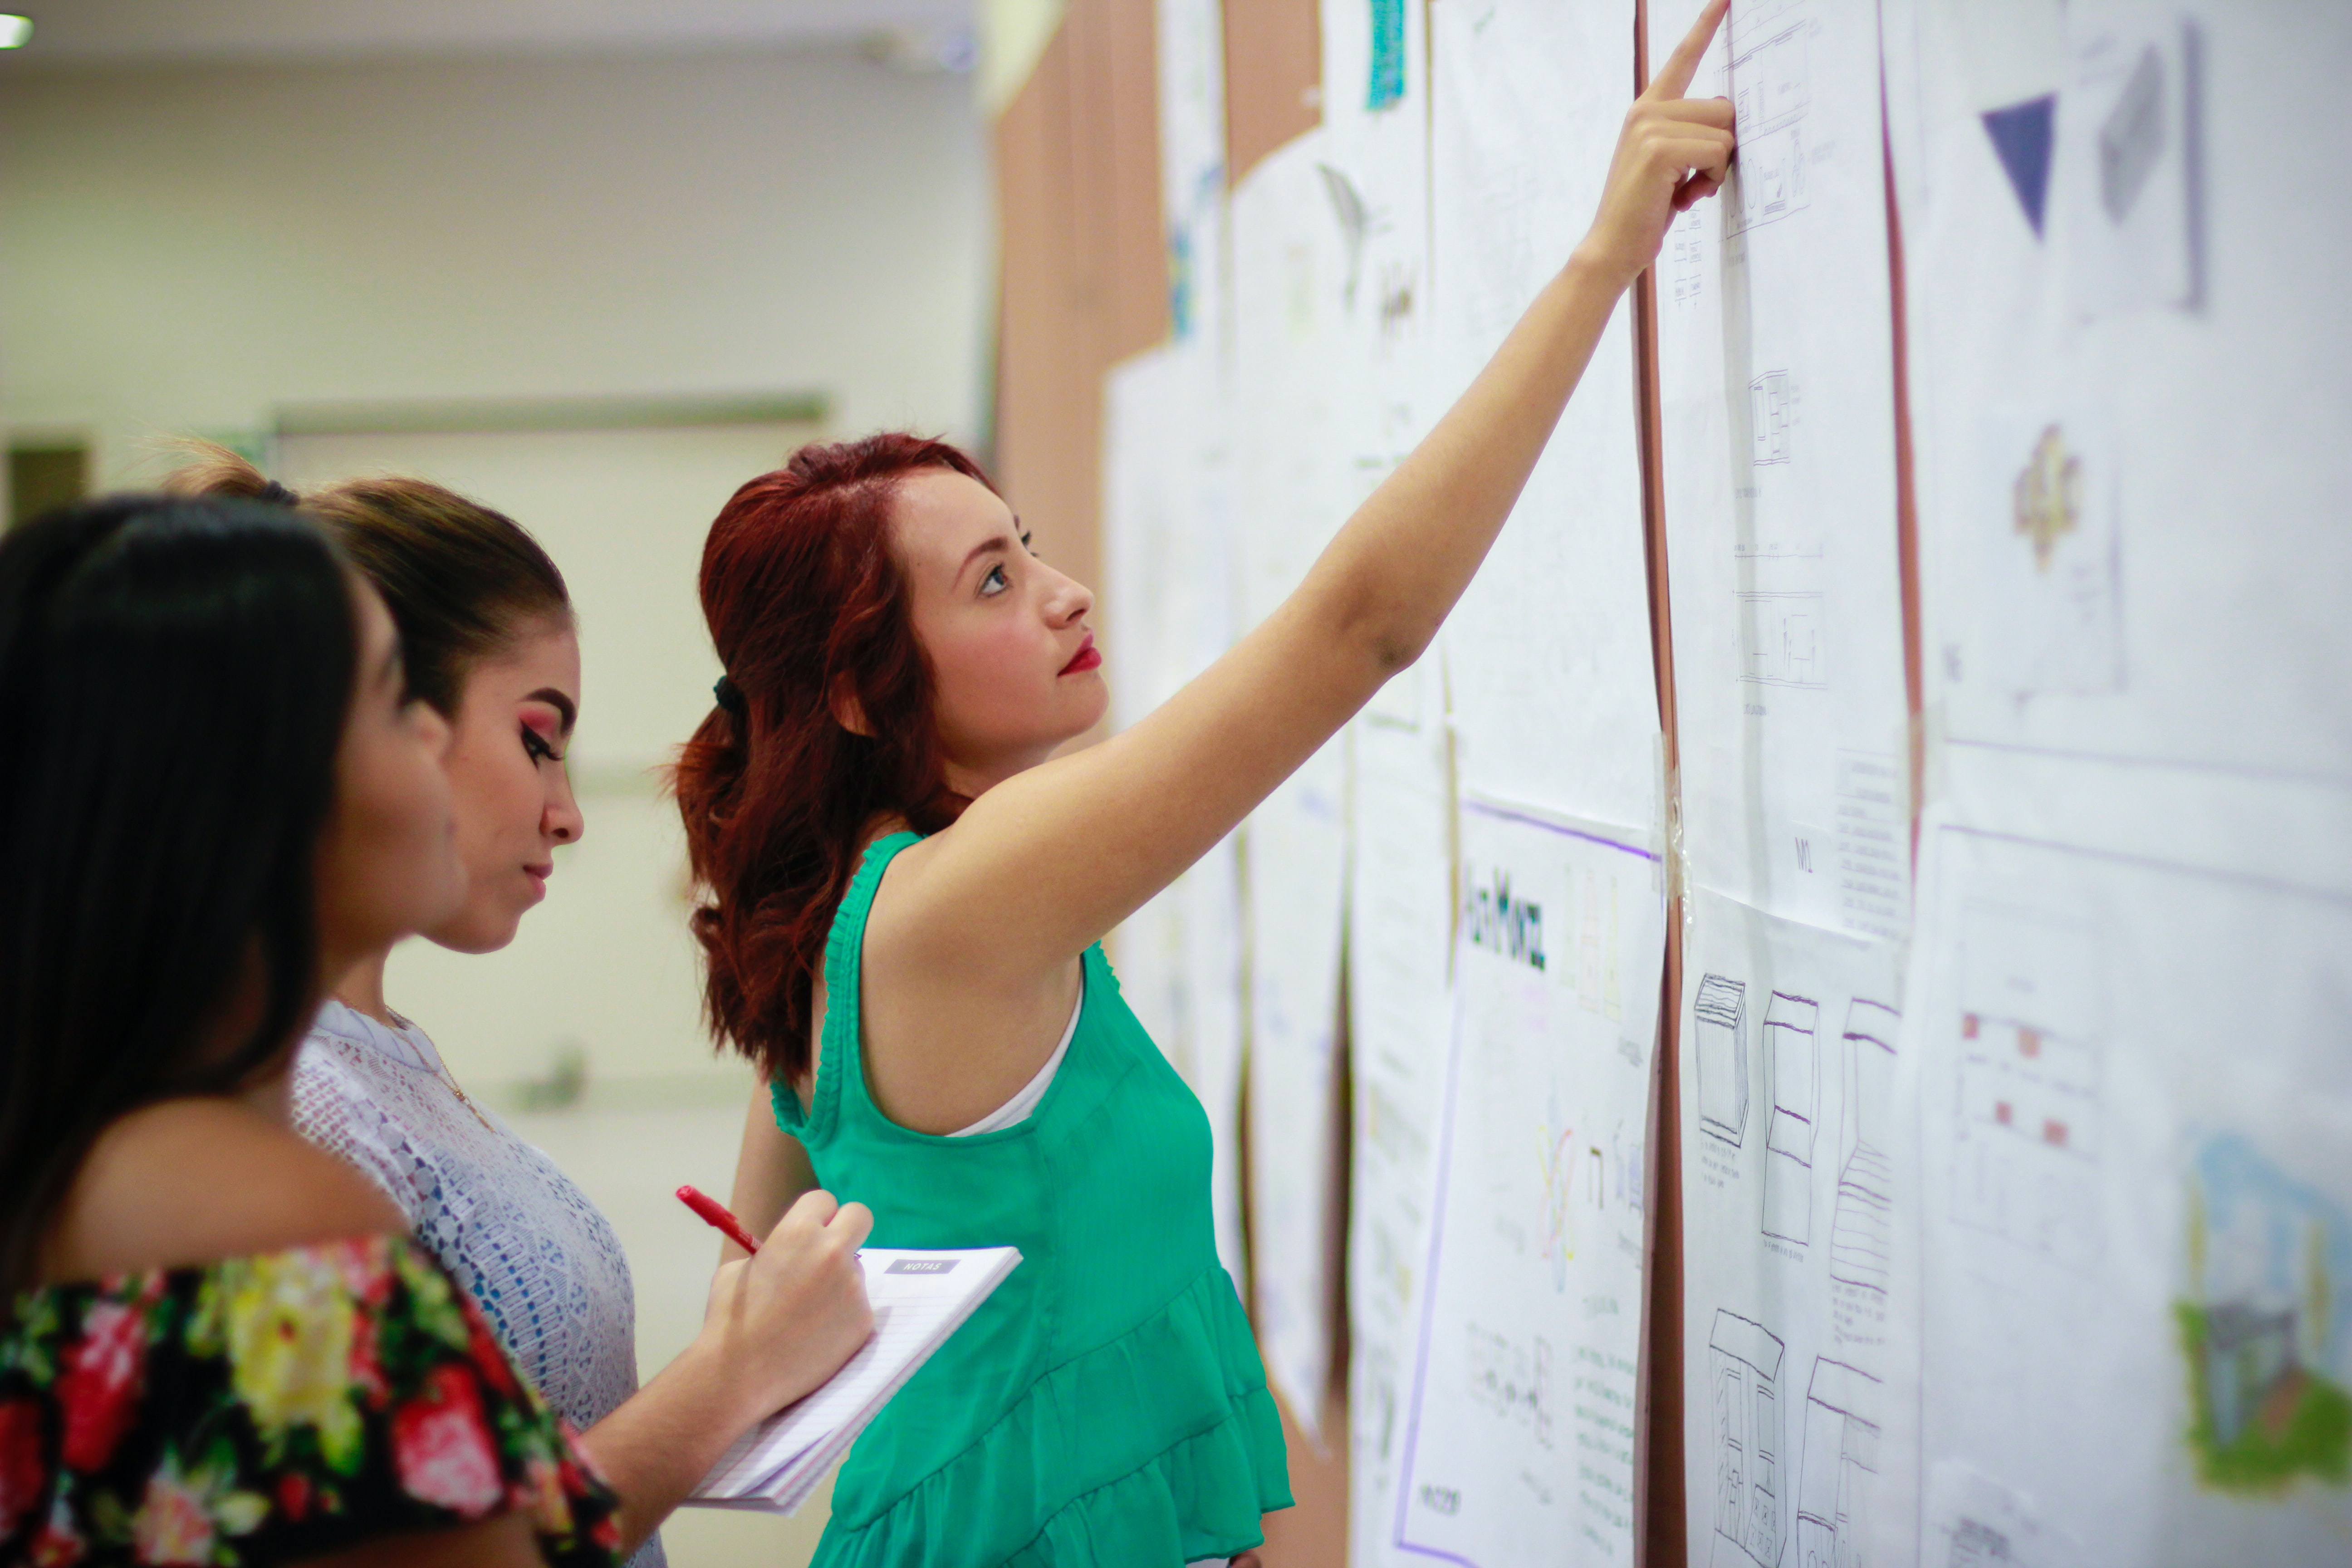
<point x="918" y="1297"/>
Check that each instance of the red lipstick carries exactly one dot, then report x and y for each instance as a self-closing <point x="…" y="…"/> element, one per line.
<point x="1085" y="659"/>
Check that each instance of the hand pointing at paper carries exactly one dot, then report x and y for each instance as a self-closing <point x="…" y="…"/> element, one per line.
<point x="1673" y="151"/>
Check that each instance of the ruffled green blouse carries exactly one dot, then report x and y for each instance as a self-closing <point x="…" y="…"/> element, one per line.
<point x="1106" y="1405"/>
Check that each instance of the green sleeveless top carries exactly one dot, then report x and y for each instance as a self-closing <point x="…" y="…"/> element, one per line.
<point x="1106" y="1405"/>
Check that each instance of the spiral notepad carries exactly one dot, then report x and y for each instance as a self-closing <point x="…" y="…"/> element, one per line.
<point x="919" y="1298"/>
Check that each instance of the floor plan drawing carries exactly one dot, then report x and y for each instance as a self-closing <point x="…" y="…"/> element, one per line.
<point x="1840" y="1463"/>
<point x="1772" y="398"/>
<point x="1750" y="1484"/>
<point x="1770" y="88"/>
<point x="1781" y="639"/>
<point x="1861" y="1244"/>
<point x="1789" y="1057"/>
<point x="1719" y="1026"/>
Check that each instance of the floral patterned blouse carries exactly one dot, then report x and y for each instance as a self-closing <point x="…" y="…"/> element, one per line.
<point x="262" y="1409"/>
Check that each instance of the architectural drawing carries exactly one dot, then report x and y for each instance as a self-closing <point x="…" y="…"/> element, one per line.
<point x="1840" y="1463"/>
<point x="1751" y="1511"/>
<point x="1772" y="400"/>
<point x="2029" y="1110"/>
<point x="1781" y="639"/>
<point x="1861" y="1239"/>
<point x="1771" y="87"/>
<point x="1789" y="1057"/>
<point x="1719" y="1036"/>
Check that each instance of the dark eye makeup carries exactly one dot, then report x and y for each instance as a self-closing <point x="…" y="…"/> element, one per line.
<point x="535" y="746"/>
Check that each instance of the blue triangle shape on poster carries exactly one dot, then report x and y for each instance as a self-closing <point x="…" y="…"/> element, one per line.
<point x="2020" y="135"/>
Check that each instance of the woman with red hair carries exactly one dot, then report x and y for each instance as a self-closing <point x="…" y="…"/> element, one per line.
<point x="905" y="895"/>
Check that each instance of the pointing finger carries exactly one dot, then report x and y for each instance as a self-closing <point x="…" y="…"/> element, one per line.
<point x="1673" y="79"/>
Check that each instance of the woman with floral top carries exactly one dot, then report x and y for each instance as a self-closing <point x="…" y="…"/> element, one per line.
<point x="217" y="1346"/>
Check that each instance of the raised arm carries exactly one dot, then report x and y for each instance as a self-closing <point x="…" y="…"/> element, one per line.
<point x="1049" y="860"/>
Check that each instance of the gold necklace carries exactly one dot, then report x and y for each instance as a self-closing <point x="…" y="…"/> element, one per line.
<point x="441" y="1070"/>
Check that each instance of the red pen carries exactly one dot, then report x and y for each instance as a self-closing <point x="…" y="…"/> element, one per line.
<point x="714" y="1214"/>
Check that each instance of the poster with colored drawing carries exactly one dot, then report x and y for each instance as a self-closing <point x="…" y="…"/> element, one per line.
<point x="2126" y="390"/>
<point x="1776" y="365"/>
<point x="1520" y="1428"/>
<point x="2133" y="1104"/>
<point x="1556" y="700"/>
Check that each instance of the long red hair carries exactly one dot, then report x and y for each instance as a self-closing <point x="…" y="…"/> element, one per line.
<point x="807" y="606"/>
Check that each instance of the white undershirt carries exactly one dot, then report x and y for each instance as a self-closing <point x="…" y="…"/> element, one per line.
<point x="1019" y="1107"/>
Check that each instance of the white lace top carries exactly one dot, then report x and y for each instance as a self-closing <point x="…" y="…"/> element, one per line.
<point x="540" y="1257"/>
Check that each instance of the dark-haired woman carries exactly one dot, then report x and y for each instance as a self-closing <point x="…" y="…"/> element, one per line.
<point x="217" y="1346"/>
<point x="905" y="896"/>
<point x="487" y="627"/>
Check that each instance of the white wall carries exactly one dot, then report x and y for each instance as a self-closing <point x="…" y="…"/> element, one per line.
<point x="187" y="248"/>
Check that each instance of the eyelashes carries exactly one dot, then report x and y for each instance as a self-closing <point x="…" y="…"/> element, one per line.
<point x="536" y="748"/>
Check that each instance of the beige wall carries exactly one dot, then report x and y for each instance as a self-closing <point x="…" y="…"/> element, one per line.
<point x="191" y="249"/>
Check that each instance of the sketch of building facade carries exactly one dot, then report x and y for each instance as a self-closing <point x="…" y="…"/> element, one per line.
<point x="1860" y="1226"/>
<point x="1720" y="1042"/>
<point x="1789" y="1057"/>
<point x="1751" y="1508"/>
<point x="1839" y="1466"/>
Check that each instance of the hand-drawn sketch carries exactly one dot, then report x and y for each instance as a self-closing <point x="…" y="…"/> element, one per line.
<point x="1770" y="88"/>
<point x="1772" y="398"/>
<point x="1511" y="1379"/>
<point x="2053" y="557"/>
<point x="2029" y="1112"/>
<point x="1840" y="1463"/>
<point x="2128" y="133"/>
<point x="1789" y="1057"/>
<point x="1750" y="1484"/>
<point x="1781" y="639"/>
<point x="1861" y="1239"/>
<point x="1720" y="1032"/>
<point x="2265" y="1327"/>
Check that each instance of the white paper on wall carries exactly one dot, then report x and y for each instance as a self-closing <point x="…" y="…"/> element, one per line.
<point x="1798" y="1402"/>
<point x="1555" y="695"/>
<point x="2126" y="395"/>
<point x="1519" y="1442"/>
<point x="1191" y="56"/>
<point x="1374" y="166"/>
<point x="1400" y="926"/>
<point x="1296" y="850"/>
<point x="2133" y="1104"/>
<point x="1776" y="371"/>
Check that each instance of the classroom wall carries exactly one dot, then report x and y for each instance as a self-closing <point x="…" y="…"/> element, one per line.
<point x="189" y="248"/>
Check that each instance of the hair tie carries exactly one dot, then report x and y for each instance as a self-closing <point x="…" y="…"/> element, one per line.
<point x="729" y="697"/>
<point x="276" y="494"/>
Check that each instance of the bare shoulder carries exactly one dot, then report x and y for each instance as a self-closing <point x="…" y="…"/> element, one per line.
<point x="194" y="1180"/>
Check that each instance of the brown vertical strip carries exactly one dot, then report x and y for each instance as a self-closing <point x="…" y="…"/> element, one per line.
<point x="1083" y="272"/>
<point x="1906" y="512"/>
<point x="1662" y="1538"/>
<point x="1274" y="78"/>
